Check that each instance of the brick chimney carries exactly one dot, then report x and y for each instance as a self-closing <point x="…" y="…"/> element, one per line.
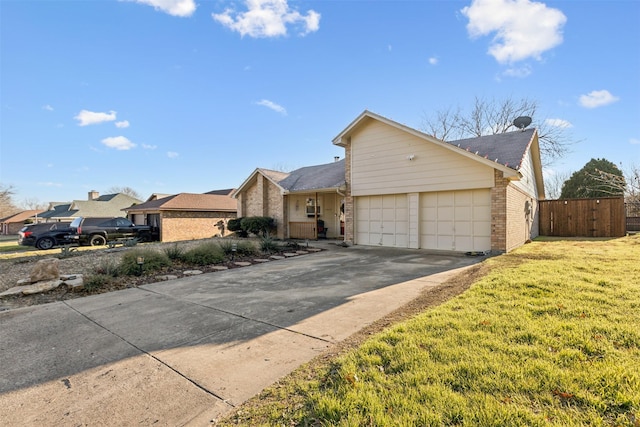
<point x="93" y="194"/>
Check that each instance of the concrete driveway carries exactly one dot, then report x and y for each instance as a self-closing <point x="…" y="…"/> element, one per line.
<point x="187" y="351"/>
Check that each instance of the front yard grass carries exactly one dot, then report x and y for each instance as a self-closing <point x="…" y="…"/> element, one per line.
<point x="550" y="336"/>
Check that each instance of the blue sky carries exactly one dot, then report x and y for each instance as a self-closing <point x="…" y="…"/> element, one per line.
<point x="169" y="96"/>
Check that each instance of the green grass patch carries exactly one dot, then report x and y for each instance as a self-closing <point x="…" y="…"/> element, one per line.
<point x="549" y="337"/>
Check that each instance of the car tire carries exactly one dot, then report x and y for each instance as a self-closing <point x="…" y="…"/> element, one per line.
<point x="97" y="240"/>
<point x="45" y="243"/>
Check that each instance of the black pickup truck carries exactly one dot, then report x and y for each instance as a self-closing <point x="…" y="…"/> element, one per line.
<point x="99" y="231"/>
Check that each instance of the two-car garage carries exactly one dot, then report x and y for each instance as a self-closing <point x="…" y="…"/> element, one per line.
<point x="446" y="220"/>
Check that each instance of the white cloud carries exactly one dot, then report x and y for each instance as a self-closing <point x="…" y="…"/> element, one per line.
<point x="524" y="28"/>
<point x="559" y="123"/>
<point x="50" y="184"/>
<point x="47" y="107"/>
<point x="634" y="141"/>
<point x="149" y="147"/>
<point x="118" y="142"/>
<point x="268" y="18"/>
<point x="273" y="106"/>
<point x="122" y="124"/>
<point x="172" y="154"/>
<point x="180" y="8"/>
<point x="597" y="98"/>
<point x="433" y="60"/>
<point x="520" y="72"/>
<point x="86" y="117"/>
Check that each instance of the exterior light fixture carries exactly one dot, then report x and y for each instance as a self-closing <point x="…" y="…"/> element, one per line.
<point x="140" y="262"/>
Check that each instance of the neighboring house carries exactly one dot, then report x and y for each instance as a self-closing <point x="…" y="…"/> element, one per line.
<point x="408" y="189"/>
<point x="304" y="203"/>
<point x="13" y="223"/>
<point x="108" y="205"/>
<point x="186" y="216"/>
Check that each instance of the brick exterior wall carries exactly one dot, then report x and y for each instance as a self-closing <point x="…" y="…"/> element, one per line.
<point x="264" y="198"/>
<point x="182" y="225"/>
<point x="511" y="226"/>
<point x="349" y="218"/>
<point x="520" y="225"/>
<point x="499" y="212"/>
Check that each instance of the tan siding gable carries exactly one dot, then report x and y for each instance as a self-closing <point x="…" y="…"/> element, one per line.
<point x="528" y="181"/>
<point x="380" y="164"/>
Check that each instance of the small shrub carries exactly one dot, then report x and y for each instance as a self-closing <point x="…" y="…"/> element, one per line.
<point x="269" y="245"/>
<point x="293" y="245"/>
<point x="243" y="247"/>
<point x="204" y="254"/>
<point x="96" y="281"/>
<point x="174" y="252"/>
<point x="235" y="225"/>
<point x="258" y="225"/>
<point x="107" y="267"/>
<point x="67" y="250"/>
<point x="153" y="261"/>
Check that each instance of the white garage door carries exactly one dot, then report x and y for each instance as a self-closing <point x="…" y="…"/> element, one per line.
<point x="382" y="220"/>
<point x="456" y="220"/>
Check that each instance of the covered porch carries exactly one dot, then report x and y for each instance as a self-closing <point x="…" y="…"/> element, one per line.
<point x="315" y="215"/>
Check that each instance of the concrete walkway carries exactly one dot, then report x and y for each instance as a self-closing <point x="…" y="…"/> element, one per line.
<point x="187" y="351"/>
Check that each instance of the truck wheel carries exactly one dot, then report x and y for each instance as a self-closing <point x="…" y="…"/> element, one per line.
<point x="97" y="240"/>
<point x="45" y="243"/>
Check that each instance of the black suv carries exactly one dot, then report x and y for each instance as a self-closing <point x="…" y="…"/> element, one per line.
<point x="99" y="231"/>
<point x="44" y="235"/>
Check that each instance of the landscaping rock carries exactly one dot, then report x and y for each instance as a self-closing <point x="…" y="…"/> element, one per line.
<point x="242" y="263"/>
<point x="302" y="252"/>
<point x="290" y="254"/>
<point x="40" y="287"/>
<point x="73" y="281"/>
<point x="191" y="272"/>
<point x="276" y="257"/>
<point x="16" y="290"/>
<point x="44" y="270"/>
<point x="166" y="277"/>
<point x="261" y="260"/>
<point x="219" y="267"/>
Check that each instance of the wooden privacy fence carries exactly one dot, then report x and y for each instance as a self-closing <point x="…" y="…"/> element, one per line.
<point x="603" y="217"/>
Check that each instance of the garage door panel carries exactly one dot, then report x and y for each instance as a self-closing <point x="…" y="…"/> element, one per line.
<point x="464" y="228"/>
<point x="382" y="220"/>
<point x="456" y="220"/>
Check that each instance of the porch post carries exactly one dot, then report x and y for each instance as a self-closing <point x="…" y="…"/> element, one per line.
<point x="315" y="215"/>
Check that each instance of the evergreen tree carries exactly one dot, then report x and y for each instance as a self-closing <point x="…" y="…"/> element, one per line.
<point x="598" y="178"/>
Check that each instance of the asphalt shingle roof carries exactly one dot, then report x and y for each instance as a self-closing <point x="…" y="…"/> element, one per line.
<point x="189" y="202"/>
<point x="508" y="149"/>
<point x="330" y="175"/>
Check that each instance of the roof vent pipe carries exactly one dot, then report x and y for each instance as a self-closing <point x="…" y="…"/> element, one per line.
<point x="336" y="159"/>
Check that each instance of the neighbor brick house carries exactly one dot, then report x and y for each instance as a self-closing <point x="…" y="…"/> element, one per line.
<point x="13" y="223"/>
<point x="186" y="216"/>
<point x="400" y="187"/>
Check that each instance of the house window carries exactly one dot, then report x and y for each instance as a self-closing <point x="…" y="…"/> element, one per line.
<point x="312" y="209"/>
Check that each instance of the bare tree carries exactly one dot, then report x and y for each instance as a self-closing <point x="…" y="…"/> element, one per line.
<point x="124" y="190"/>
<point x="33" y="204"/>
<point x="553" y="184"/>
<point x="628" y="183"/>
<point x="490" y="117"/>
<point x="7" y="206"/>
